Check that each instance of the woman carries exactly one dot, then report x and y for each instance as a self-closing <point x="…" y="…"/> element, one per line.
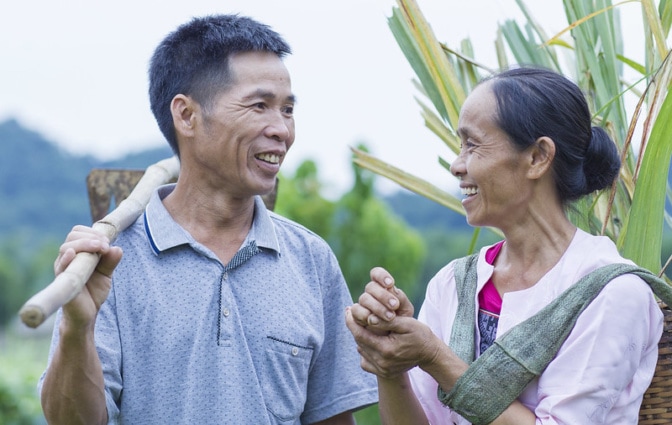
<point x="528" y="150"/>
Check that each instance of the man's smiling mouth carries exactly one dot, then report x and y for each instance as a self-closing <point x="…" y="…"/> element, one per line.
<point x="269" y="157"/>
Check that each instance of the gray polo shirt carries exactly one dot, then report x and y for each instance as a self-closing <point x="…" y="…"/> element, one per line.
<point x="185" y="339"/>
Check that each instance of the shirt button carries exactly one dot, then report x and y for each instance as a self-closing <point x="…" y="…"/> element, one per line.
<point x="226" y="312"/>
<point x="295" y="351"/>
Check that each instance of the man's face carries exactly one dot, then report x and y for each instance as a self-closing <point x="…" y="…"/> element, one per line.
<point x="249" y="127"/>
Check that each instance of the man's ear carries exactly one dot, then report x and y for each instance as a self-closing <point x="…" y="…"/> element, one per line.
<point x="541" y="157"/>
<point x="182" y="109"/>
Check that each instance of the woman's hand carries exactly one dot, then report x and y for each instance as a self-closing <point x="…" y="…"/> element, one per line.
<point x="389" y="339"/>
<point x="382" y="299"/>
<point x="390" y="348"/>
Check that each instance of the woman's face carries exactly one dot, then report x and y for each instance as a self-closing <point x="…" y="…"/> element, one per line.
<point x="491" y="170"/>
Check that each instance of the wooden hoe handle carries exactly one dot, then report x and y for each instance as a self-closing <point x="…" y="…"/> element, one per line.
<point x="70" y="282"/>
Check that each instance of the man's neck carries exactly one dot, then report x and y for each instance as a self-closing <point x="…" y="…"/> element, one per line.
<point x="218" y="221"/>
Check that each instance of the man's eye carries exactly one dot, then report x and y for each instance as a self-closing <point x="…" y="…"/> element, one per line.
<point x="259" y="105"/>
<point x="289" y="110"/>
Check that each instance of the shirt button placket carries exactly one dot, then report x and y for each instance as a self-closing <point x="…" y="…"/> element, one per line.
<point x="225" y="326"/>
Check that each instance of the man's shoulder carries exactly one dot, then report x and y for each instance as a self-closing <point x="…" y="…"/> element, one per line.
<point x="288" y="225"/>
<point x="132" y="235"/>
<point x="291" y="233"/>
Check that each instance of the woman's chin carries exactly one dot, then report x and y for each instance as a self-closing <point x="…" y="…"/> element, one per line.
<point x="475" y="221"/>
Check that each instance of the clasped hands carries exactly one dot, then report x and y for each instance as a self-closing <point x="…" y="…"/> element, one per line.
<point x="389" y="340"/>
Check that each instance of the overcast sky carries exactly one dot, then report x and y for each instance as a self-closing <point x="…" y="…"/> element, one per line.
<point x="75" y="71"/>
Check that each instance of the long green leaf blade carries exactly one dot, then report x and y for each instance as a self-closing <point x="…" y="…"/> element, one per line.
<point x="643" y="241"/>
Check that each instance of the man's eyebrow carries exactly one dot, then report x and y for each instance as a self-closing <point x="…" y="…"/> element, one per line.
<point x="266" y="94"/>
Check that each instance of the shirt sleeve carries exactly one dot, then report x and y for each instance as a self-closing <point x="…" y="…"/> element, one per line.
<point x="108" y="345"/>
<point x="336" y="382"/>
<point x="607" y="361"/>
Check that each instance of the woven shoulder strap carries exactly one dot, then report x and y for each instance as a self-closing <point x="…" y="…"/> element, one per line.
<point x="462" y="336"/>
<point x="494" y="380"/>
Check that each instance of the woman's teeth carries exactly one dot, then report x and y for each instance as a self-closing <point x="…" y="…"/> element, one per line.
<point x="467" y="191"/>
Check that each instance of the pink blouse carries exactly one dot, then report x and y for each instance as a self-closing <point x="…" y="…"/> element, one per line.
<point x="488" y="298"/>
<point x="604" y="367"/>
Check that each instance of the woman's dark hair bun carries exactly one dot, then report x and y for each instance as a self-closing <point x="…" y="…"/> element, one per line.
<point x="602" y="162"/>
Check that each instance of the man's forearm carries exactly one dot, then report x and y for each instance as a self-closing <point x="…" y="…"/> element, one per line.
<point x="73" y="391"/>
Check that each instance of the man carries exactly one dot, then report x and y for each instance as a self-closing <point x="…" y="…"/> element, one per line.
<point x="221" y="312"/>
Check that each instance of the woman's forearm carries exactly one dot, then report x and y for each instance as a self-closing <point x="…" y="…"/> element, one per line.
<point x="446" y="368"/>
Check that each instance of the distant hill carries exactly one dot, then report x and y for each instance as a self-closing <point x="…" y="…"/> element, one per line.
<point x="423" y="213"/>
<point x="43" y="188"/>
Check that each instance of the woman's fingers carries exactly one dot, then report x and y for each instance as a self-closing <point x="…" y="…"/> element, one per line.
<point x="379" y="350"/>
<point x="379" y="301"/>
<point x="382" y="277"/>
<point x="359" y="314"/>
<point x="405" y="308"/>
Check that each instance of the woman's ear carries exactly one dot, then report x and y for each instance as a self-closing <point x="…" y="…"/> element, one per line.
<point x="182" y="110"/>
<point x="541" y="157"/>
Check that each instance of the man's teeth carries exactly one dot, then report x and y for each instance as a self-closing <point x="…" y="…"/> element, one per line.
<point x="469" y="190"/>
<point x="269" y="157"/>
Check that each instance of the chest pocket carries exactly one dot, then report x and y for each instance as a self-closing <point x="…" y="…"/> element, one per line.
<point x="285" y="381"/>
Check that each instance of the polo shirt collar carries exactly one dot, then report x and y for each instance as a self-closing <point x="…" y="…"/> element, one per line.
<point x="164" y="233"/>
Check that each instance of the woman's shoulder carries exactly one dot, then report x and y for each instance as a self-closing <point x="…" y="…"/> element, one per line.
<point x="591" y="251"/>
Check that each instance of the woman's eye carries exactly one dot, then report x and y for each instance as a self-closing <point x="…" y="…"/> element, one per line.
<point x="466" y="145"/>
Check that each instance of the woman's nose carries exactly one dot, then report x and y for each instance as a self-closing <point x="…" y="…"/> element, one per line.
<point x="457" y="167"/>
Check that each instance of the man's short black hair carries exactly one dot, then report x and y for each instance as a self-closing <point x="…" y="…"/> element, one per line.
<point x="194" y="60"/>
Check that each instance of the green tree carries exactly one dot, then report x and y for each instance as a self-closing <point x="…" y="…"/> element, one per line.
<point x="361" y="229"/>
<point x="299" y="198"/>
<point x="12" y="281"/>
<point x="23" y="272"/>
<point x="366" y="233"/>
<point x="10" y="410"/>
